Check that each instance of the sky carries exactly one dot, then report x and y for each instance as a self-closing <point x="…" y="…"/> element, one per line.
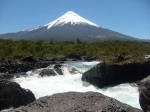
<point x="130" y="17"/>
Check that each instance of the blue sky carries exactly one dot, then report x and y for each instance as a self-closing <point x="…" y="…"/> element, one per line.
<point x="130" y="17"/>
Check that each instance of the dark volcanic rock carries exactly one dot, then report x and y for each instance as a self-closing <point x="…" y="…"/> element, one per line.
<point x="19" y="66"/>
<point x="104" y="75"/>
<point x="89" y="58"/>
<point x="47" y="72"/>
<point x="4" y="76"/>
<point x="57" y="68"/>
<point x="74" y="56"/>
<point x="29" y="59"/>
<point x="52" y="72"/>
<point x="76" y="102"/>
<point x="12" y="95"/>
<point x="144" y="97"/>
<point x="54" y="59"/>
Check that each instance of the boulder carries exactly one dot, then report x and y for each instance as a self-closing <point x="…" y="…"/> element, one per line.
<point x="41" y="59"/>
<point x="52" y="71"/>
<point x="76" y="102"/>
<point x="5" y="76"/>
<point x="29" y="59"/>
<point x="12" y="95"/>
<point x="144" y="94"/>
<point x="103" y="74"/>
<point x="20" y="66"/>
<point x="74" y="56"/>
<point x="47" y="72"/>
<point x="89" y="58"/>
<point x="57" y="68"/>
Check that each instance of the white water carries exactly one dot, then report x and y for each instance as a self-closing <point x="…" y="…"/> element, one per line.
<point x="42" y="86"/>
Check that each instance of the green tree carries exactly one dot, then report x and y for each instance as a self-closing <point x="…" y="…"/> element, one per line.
<point x="79" y="41"/>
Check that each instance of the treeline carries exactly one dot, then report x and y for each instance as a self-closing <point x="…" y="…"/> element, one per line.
<point x="10" y="49"/>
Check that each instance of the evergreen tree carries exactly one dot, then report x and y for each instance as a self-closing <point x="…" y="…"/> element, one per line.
<point x="79" y="41"/>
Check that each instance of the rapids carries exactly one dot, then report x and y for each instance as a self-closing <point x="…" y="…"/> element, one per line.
<point x="71" y="81"/>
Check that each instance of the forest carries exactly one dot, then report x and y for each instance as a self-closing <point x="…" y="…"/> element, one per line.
<point x="10" y="49"/>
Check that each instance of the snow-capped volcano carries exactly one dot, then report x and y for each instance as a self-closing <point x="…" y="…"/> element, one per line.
<point x="68" y="27"/>
<point x="72" y="18"/>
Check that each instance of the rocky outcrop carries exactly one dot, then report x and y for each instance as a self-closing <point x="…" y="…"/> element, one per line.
<point x="5" y="76"/>
<point x="29" y="63"/>
<point x="20" y="66"/>
<point x="76" y="102"/>
<point x="29" y="59"/>
<point x="73" y="56"/>
<point x="12" y="95"/>
<point x="104" y="75"/>
<point x="89" y="58"/>
<point x="144" y="91"/>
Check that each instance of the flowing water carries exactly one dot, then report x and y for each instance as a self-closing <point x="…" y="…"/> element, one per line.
<point x="71" y="81"/>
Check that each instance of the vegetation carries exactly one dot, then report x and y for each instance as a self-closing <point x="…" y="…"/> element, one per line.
<point x="10" y="49"/>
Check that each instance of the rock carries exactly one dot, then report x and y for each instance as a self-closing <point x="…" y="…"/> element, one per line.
<point x="74" y="56"/>
<point x="47" y="72"/>
<point x="144" y="94"/>
<point x="103" y="75"/>
<point x="19" y="66"/>
<point x="12" y="95"/>
<point x="29" y="59"/>
<point x="41" y="59"/>
<point x="52" y="71"/>
<point x="4" y="76"/>
<point x="9" y="61"/>
<point x="122" y="58"/>
<point x="89" y="58"/>
<point x="61" y="58"/>
<point x="57" y="68"/>
<point x="51" y="59"/>
<point x="76" y="102"/>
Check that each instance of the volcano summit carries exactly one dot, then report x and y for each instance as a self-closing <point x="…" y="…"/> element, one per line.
<point x="68" y="27"/>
